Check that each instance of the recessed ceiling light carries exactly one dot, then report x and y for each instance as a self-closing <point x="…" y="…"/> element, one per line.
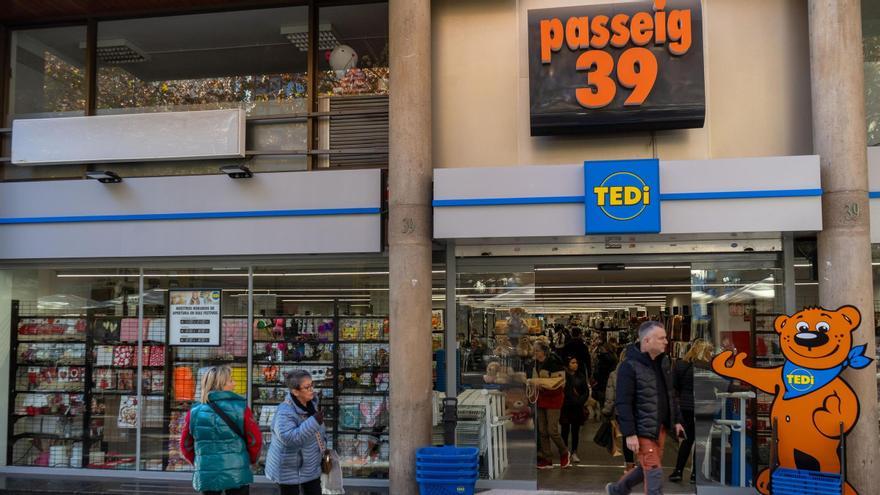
<point x="299" y="36"/>
<point x="118" y="51"/>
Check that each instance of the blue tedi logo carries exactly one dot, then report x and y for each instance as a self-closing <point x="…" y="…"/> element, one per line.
<point x="800" y="379"/>
<point x="622" y="196"/>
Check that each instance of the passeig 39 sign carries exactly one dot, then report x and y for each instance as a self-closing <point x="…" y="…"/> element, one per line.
<point x="615" y="67"/>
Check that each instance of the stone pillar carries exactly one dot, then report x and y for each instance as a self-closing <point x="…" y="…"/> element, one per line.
<point x="409" y="236"/>
<point x="844" y="245"/>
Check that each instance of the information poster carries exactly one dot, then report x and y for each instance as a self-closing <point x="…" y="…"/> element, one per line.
<point x="194" y="317"/>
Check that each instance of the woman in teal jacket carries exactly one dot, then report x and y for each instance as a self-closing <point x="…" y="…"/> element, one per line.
<point x="222" y="454"/>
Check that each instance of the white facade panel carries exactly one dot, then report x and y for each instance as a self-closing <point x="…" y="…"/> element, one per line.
<point x="740" y="174"/>
<point x="509" y="221"/>
<point x="130" y="137"/>
<point x="741" y="215"/>
<point x="785" y="196"/>
<point x="273" y="213"/>
<point x="874" y="187"/>
<point x="194" y="193"/>
<point x="210" y="237"/>
<point x="509" y="182"/>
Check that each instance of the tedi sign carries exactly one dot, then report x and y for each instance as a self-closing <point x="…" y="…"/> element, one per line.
<point x="614" y="67"/>
<point x="622" y="196"/>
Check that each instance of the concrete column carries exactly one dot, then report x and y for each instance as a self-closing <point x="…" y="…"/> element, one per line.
<point x="839" y="137"/>
<point x="409" y="236"/>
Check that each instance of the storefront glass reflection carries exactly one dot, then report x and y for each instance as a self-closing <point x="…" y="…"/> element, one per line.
<point x="95" y="386"/>
<point x="734" y="306"/>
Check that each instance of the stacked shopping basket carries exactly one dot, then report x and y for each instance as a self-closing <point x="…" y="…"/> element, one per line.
<point x="447" y="470"/>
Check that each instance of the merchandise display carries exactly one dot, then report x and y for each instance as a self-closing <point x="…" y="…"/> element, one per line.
<point x="78" y="380"/>
<point x="350" y="373"/>
<point x="48" y="395"/>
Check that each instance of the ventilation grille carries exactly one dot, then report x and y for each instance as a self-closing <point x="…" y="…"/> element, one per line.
<point x="359" y="132"/>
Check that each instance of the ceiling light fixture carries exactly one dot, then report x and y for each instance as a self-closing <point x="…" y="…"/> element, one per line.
<point x="118" y="51"/>
<point x="299" y="36"/>
<point x="103" y="176"/>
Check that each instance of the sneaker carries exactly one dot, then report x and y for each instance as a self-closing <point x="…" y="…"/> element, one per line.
<point x="544" y="464"/>
<point x="565" y="460"/>
<point x="575" y="458"/>
<point x="675" y="477"/>
<point x="608" y="489"/>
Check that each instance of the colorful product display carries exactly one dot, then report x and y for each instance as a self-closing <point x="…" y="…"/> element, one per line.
<point x="70" y="369"/>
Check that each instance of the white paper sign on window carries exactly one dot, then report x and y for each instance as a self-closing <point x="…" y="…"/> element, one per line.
<point x="194" y="317"/>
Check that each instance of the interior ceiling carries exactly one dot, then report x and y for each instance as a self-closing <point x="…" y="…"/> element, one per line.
<point x="220" y="43"/>
<point x="31" y="11"/>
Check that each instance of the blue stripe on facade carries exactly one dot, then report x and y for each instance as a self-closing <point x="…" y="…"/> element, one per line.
<point x="780" y="193"/>
<point x="874" y="194"/>
<point x="544" y="200"/>
<point x="192" y="216"/>
<point x="548" y="200"/>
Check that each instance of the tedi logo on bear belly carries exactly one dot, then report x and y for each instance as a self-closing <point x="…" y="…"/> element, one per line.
<point x="623" y="196"/>
<point x="800" y="380"/>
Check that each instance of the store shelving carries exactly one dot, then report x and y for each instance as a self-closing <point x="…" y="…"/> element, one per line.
<point x="354" y="371"/>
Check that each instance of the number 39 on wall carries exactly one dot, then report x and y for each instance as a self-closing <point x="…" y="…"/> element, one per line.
<point x="636" y="70"/>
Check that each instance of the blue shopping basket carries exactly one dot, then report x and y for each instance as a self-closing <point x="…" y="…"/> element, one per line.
<point x="447" y="470"/>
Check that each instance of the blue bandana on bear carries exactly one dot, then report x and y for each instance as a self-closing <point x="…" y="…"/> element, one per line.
<point x="800" y="380"/>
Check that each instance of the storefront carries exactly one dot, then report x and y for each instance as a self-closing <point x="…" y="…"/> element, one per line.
<point x="710" y="229"/>
<point x="291" y="272"/>
<point x="243" y="174"/>
<point x="711" y="264"/>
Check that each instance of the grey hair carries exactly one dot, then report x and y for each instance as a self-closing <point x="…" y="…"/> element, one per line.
<point x="646" y="327"/>
<point x="295" y="378"/>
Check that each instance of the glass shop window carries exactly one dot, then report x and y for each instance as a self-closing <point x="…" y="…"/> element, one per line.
<point x="48" y="73"/>
<point x="871" y="38"/>
<point x="255" y="59"/>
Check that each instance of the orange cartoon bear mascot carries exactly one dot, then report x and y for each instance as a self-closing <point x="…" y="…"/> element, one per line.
<point x="812" y="400"/>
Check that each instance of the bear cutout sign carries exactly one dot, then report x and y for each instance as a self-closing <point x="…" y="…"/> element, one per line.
<point x="812" y="400"/>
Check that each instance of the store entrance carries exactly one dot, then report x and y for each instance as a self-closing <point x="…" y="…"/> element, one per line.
<point x="589" y="311"/>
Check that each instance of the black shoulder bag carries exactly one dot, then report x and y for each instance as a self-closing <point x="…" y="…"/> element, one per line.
<point x="226" y="419"/>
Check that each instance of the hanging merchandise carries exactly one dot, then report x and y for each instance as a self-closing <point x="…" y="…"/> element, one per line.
<point x="184" y="384"/>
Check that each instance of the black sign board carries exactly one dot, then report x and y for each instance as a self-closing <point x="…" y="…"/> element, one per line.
<point x="616" y="67"/>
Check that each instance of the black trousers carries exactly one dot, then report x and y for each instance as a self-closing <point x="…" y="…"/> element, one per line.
<point x="242" y="490"/>
<point x="687" y="446"/>
<point x="308" y="488"/>
<point x="575" y="432"/>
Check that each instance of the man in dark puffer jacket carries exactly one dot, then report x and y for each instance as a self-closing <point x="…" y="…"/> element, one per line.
<point x="646" y="408"/>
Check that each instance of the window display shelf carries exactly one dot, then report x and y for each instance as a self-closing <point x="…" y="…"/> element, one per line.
<point x="295" y="363"/>
<point x="47" y="436"/>
<point x="52" y="338"/>
<point x="50" y="391"/>
<point x="343" y="342"/>
<point x="354" y="393"/>
<point x="374" y="431"/>
<point x="212" y="361"/>
<point x="369" y="367"/>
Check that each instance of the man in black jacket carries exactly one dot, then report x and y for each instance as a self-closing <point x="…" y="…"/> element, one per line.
<point x="646" y="409"/>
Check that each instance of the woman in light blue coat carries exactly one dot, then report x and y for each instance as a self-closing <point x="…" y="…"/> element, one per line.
<point x="294" y="460"/>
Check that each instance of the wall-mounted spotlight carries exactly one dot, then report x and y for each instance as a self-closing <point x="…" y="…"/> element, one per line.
<point x="237" y="171"/>
<point x="103" y="176"/>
